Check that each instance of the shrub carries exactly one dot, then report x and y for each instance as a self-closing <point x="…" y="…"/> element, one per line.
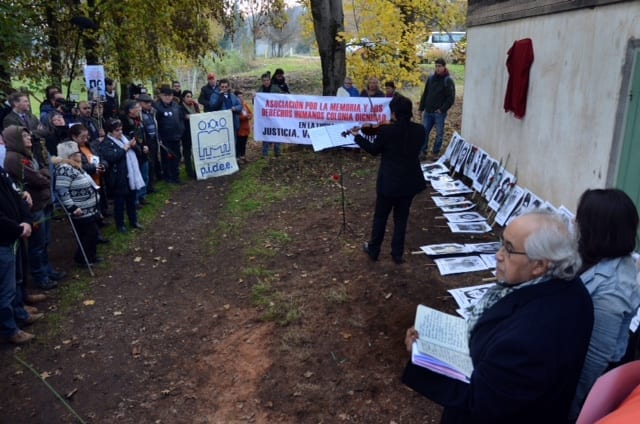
<point x="459" y="53"/>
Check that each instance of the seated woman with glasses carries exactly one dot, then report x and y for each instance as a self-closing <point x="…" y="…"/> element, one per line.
<point x="607" y="221"/>
<point x="123" y="176"/>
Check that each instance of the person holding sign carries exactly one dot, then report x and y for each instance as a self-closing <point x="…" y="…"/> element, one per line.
<point x="399" y="177"/>
<point x="527" y="336"/>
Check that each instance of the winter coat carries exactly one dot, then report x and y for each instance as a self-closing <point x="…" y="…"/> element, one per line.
<point x="117" y="174"/>
<point x="25" y="170"/>
<point x="13" y="210"/>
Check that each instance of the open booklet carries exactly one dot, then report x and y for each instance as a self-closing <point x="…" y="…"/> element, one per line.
<point x="442" y="345"/>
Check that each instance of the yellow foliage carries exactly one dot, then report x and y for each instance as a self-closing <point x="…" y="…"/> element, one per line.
<point x="390" y="32"/>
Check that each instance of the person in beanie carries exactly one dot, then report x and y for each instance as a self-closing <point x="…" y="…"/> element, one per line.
<point x="79" y="196"/>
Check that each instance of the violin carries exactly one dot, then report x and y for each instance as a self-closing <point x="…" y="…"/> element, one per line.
<point x="367" y="129"/>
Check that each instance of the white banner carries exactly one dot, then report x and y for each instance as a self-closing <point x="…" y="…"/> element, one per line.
<point x="213" y="144"/>
<point x="94" y="79"/>
<point x="286" y="118"/>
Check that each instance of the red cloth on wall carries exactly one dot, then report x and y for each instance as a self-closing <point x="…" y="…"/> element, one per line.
<point x="519" y="60"/>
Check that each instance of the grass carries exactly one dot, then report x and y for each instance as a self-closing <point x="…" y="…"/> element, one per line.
<point x="275" y="306"/>
<point x="292" y="64"/>
<point x="247" y="195"/>
<point x="338" y="296"/>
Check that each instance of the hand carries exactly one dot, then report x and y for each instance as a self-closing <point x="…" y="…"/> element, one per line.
<point x="27" y="198"/>
<point x="145" y="149"/>
<point x="77" y="212"/>
<point x="26" y="229"/>
<point x="410" y="338"/>
<point x="133" y="142"/>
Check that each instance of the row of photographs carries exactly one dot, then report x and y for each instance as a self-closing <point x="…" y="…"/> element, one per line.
<point x="489" y="178"/>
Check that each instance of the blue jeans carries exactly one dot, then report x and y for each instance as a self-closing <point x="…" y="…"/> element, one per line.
<point x="144" y="171"/>
<point x="429" y="120"/>
<point x="38" y="245"/>
<point x="8" y="325"/>
<point x="265" y="148"/>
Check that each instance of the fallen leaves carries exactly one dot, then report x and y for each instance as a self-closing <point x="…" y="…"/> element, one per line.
<point x="89" y="302"/>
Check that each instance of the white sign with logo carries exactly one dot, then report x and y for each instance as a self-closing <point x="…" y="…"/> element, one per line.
<point x="213" y="144"/>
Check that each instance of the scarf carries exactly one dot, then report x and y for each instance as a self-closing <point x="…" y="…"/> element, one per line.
<point x="493" y="296"/>
<point x="133" y="169"/>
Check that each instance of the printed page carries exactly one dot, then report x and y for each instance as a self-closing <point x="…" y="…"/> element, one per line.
<point x="330" y="136"/>
<point x="435" y="327"/>
<point x="443" y="337"/>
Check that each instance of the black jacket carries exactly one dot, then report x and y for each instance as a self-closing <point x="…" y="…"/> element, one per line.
<point x="170" y="119"/>
<point x="439" y="94"/>
<point x="527" y="352"/>
<point x="399" y="144"/>
<point x="13" y="210"/>
<point x="117" y="180"/>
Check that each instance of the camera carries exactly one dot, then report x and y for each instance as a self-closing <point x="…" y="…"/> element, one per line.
<point x="66" y="105"/>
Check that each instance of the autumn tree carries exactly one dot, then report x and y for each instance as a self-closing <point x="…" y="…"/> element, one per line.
<point x="133" y="39"/>
<point x="393" y="29"/>
<point x="383" y="34"/>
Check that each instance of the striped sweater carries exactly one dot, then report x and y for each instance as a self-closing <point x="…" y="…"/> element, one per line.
<point x="75" y="190"/>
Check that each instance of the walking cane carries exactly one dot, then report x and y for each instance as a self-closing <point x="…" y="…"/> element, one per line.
<point x="75" y="233"/>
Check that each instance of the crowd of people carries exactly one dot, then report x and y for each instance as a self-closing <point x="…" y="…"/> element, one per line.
<point x="93" y="160"/>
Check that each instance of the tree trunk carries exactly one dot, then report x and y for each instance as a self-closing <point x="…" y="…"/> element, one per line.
<point x="89" y="43"/>
<point x="328" y="21"/>
<point x="54" y="45"/>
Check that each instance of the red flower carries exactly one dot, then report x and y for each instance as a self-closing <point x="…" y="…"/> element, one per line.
<point x="26" y="162"/>
<point x="336" y="177"/>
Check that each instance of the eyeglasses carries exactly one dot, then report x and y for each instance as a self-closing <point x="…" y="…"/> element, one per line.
<point x="509" y="248"/>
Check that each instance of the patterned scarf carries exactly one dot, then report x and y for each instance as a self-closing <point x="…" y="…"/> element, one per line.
<point x="493" y="296"/>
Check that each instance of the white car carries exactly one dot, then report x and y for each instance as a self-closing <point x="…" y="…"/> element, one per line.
<point x="440" y="44"/>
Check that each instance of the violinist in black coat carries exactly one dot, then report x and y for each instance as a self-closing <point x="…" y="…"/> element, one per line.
<point x="400" y="177"/>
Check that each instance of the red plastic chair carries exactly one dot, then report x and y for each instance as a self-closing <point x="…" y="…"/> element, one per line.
<point x="609" y="391"/>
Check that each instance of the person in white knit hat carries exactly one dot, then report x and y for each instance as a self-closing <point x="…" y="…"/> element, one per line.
<point x="78" y="193"/>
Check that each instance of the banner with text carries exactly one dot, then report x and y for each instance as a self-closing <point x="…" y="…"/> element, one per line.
<point x="286" y="118"/>
<point x="213" y="144"/>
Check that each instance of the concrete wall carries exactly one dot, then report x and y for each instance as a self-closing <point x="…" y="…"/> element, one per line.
<point x="563" y="145"/>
